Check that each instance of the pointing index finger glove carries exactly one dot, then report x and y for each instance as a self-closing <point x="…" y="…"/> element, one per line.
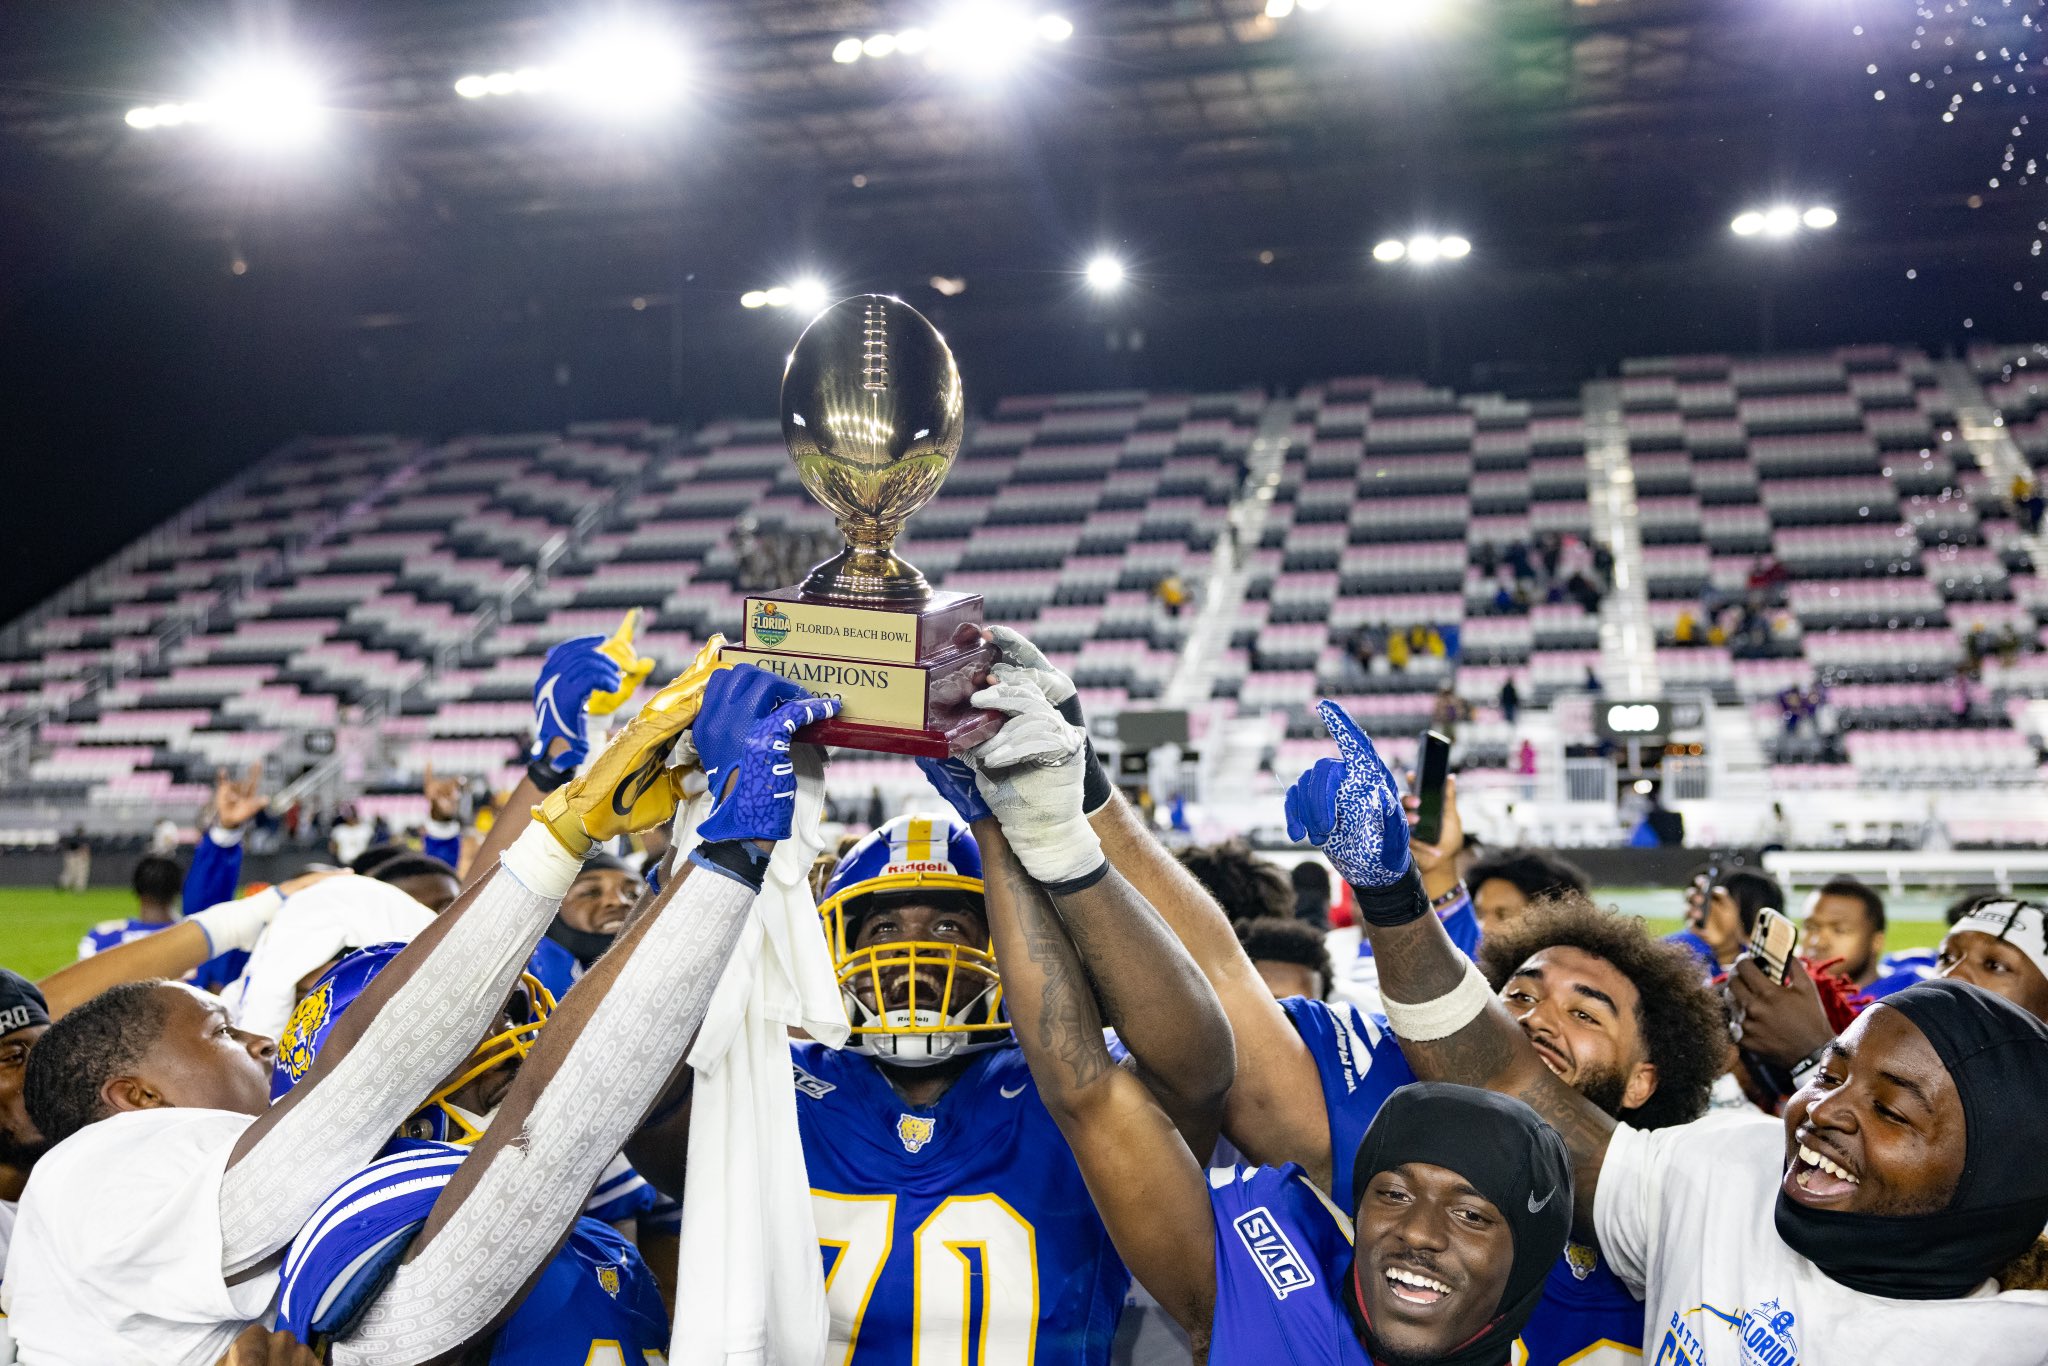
<point x="629" y="786"/>
<point x="572" y="672"/>
<point x="634" y="667"/>
<point x="1351" y="808"/>
<point x="1059" y="689"/>
<point x="1030" y="773"/>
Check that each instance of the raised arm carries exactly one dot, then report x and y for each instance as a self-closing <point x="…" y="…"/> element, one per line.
<point x="1274" y="1111"/>
<point x="1151" y="1192"/>
<point x="1451" y="1026"/>
<point x="515" y="1198"/>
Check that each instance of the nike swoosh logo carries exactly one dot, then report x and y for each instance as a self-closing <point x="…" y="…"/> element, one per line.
<point x="545" y="706"/>
<point x="1535" y="1205"/>
<point x="628" y="793"/>
<point x="1009" y="1094"/>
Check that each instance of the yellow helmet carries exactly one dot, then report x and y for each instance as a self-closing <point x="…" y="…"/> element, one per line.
<point x="955" y="998"/>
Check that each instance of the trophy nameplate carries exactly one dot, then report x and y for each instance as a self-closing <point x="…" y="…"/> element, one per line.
<point x="873" y="416"/>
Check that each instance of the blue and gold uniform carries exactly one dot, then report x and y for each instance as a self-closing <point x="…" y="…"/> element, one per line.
<point x="595" y="1302"/>
<point x="1587" y="1317"/>
<point x="958" y="1232"/>
<point x="1282" y="1253"/>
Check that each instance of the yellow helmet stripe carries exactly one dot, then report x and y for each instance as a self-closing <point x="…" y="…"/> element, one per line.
<point x="917" y="841"/>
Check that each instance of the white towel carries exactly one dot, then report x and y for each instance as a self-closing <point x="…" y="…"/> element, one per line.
<point x="750" y="1289"/>
<point x="309" y="930"/>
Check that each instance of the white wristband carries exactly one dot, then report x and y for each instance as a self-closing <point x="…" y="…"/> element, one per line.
<point x="540" y="863"/>
<point x="237" y="924"/>
<point x="1444" y="1016"/>
<point x="224" y="837"/>
<point x="443" y="830"/>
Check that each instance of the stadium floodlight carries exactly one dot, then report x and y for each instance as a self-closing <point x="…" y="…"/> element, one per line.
<point x="472" y="87"/>
<point x="1104" y="273"/>
<point x="1279" y="9"/>
<point x="627" y="71"/>
<point x="1424" y="250"/>
<point x="754" y="298"/>
<point x="1781" y="221"/>
<point x="982" y="36"/>
<point x="1055" y="28"/>
<point x="881" y="45"/>
<point x="846" y="51"/>
<point x="1454" y="248"/>
<point x="808" y="295"/>
<point x="778" y="297"/>
<point x="1393" y="249"/>
<point x="267" y="102"/>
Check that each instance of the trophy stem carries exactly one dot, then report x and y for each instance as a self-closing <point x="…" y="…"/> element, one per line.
<point x="867" y="576"/>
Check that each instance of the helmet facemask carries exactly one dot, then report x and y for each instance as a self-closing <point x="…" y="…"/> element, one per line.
<point x="947" y="999"/>
<point x="530" y="1006"/>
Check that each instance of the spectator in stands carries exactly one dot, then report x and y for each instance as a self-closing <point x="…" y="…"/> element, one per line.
<point x="1311" y="882"/>
<point x="1290" y="955"/>
<point x="1447" y="711"/>
<point x="1397" y="651"/>
<point x="1661" y="827"/>
<point x="163" y="837"/>
<point x="76" y="871"/>
<point x="2001" y="945"/>
<point x="1720" y="918"/>
<point x="1505" y="881"/>
<point x="1845" y="922"/>
<point x="1246" y="886"/>
<point x="1172" y="594"/>
<point x="1510" y="700"/>
<point x="1525" y="768"/>
<point x="349" y="836"/>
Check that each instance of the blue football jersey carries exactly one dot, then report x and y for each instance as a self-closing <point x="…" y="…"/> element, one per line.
<point x="212" y="975"/>
<point x="595" y="1302"/>
<point x="958" y="1232"/>
<point x="1897" y="971"/>
<point x="1282" y="1253"/>
<point x="1584" y="1305"/>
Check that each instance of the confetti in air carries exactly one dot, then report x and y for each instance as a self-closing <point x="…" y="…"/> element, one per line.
<point x="1975" y="66"/>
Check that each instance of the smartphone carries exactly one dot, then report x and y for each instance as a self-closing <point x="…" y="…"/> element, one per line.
<point x="1702" y="897"/>
<point x="1432" y="771"/>
<point x="1773" y="943"/>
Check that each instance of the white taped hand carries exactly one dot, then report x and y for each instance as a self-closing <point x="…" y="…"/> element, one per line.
<point x="1030" y="774"/>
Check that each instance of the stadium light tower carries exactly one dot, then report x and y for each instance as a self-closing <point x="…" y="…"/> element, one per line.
<point x="1423" y="249"/>
<point x="1781" y="221"/>
<point x="269" y="102"/>
<point x="624" y="69"/>
<point x="1104" y="273"/>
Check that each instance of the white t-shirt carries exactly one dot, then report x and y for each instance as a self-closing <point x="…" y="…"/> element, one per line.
<point x="1684" y="1215"/>
<point x="116" y="1257"/>
<point x="7" y="1208"/>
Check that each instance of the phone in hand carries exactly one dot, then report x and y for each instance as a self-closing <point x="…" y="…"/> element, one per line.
<point x="1432" y="772"/>
<point x="1701" y="897"/>
<point x="1773" y="944"/>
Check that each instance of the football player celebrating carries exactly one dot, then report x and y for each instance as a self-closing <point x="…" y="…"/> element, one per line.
<point x="1880" y="1218"/>
<point x="388" y="1269"/>
<point x="1464" y="1197"/>
<point x="150" y="1230"/>
<point x="949" y="1209"/>
<point x="1618" y="1015"/>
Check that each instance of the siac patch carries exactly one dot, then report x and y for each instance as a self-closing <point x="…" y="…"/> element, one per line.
<point x="915" y="1131"/>
<point x="309" y="1017"/>
<point x="812" y="1086"/>
<point x="608" y="1280"/>
<point x="1273" y="1251"/>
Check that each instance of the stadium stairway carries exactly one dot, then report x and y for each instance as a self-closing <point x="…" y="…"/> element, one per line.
<point x="1628" y="642"/>
<point x="1223" y="593"/>
<point x="1983" y="431"/>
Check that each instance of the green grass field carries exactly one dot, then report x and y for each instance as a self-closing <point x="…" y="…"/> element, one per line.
<point x="40" y="927"/>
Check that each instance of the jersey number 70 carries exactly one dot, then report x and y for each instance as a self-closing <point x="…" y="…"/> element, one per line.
<point x="969" y="1244"/>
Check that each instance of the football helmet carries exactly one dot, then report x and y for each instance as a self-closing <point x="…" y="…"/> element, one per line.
<point x="312" y="1021"/>
<point x="955" y="998"/>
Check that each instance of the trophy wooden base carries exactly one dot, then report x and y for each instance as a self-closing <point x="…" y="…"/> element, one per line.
<point x="904" y="674"/>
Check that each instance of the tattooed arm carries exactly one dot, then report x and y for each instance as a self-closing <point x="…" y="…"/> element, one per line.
<point x="1418" y="962"/>
<point x="1151" y="1192"/>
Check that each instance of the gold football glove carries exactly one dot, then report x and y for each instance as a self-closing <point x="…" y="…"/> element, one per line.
<point x="633" y="666"/>
<point x="629" y="786"/>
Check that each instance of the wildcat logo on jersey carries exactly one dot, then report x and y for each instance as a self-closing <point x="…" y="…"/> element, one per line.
<point x="811" y="1086"/>
<point x="915" y="1131"/>
<point x="1767" y="1336"/>
<point x="309" y="1017"/>
<point x="1583" y="1260"/>
<point x="608" y="1280"/>
<point x="1279" y="1263"/>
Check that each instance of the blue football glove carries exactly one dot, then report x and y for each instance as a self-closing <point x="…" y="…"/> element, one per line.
<point x="735" y="700"/>
<point x="955" y="782"/>
<point x="572" y="671"/>
<point x="761" y="803"/>
<point x="1350" y="808"/>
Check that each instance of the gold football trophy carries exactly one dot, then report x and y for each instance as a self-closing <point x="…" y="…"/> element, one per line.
<point x="873" y="416"/>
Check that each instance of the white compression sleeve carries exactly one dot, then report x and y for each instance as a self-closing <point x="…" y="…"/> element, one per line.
<point x="532" y="1190"/>
<point x="423" y="1032"/>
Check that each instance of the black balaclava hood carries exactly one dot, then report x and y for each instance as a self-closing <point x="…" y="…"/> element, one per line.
<point x="586" y="946"/>
<point x="1510" y="1156"/>
<point x="1997" y="1055"/>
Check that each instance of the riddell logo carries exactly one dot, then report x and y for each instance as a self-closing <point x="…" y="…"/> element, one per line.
<point x="919" y="867"/>
<point x="771" y="624"/>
